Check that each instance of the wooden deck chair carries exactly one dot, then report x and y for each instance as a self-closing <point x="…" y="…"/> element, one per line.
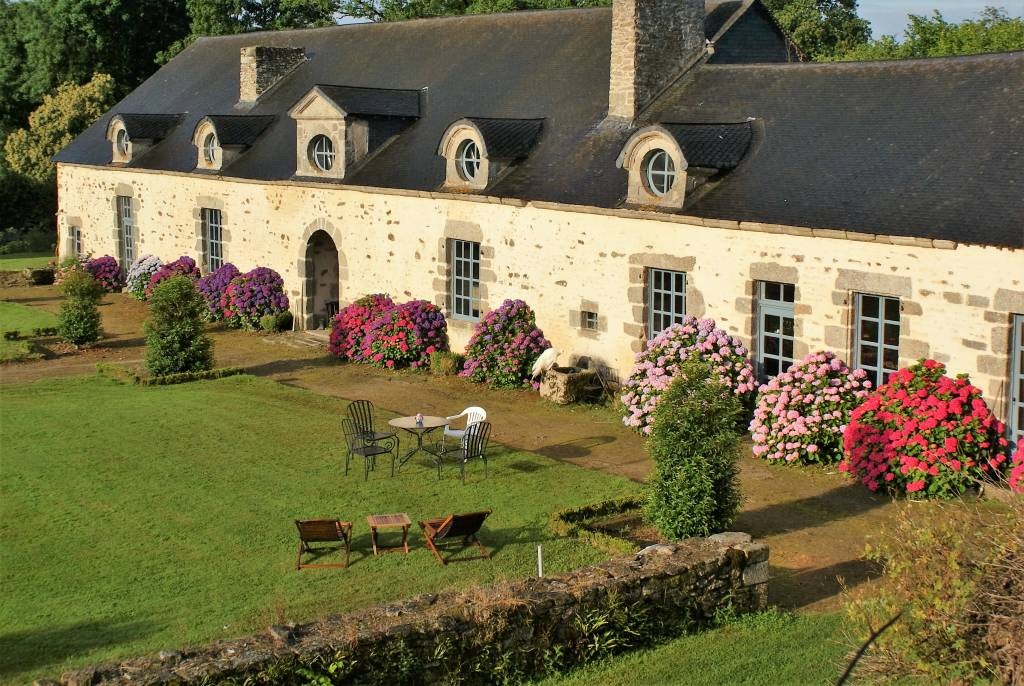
<point x="323" y="531"/>
<point x="443" y="530"/>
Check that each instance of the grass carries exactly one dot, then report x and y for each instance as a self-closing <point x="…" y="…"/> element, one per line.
<point x="756" y="650"/>
<point x="134" y="519"/>
<point x="21" y="260"/>
<point x="15" y="317"/>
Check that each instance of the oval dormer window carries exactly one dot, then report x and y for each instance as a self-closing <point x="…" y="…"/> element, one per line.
<point x="468" y="160"/>
<point x="210" y="148"/>
<point x="122" y="142"/>
<point x="321" y="153"/>
<point x="659" y="172"/>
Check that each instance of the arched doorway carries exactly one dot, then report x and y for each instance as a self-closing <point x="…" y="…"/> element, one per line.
<point x="323" y="279"/>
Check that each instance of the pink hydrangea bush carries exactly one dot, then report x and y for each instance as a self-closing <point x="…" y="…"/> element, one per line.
<point x="924" y="433"/>
<point x="405" y="335"/>
<point x="1017" y="468"/>
<point x="352" y="322"/>
<point x="107" y="273"/>
<point x="801" y="414"/>
<point x="252" y="295"/>
<point x="659" y="362"/>
<point x="504" y="346"/>
<point x="183" y="266"/>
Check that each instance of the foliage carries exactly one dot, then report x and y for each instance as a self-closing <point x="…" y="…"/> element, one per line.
<point x="352" y="322"/>
<point x="183" y="266"/>
<point x="107" y="273"/>
<point x="78" y="321"/>
<point x="282" y="321"/>
<point x="925" y="433"/>
<point x="175" y="340"/>
<point x="405" y="335"/>
<point x="212" y="288"/>
<point x="187" y="377"/>
<point x="504" y="346"/>
<point x="69" y="266"/>
<point x="445" y="363"/>
<point x="993" y="31"/>
<point x="801" y="414"/>
<point x="694" y="490"/>
<point x="31" y="239"/>
<point x="139" y="274"/>
<point x="252" y="295"/>
<point x="660" y="361"/>
<point x="398" y="10"/>
<point x="821" y="29"/>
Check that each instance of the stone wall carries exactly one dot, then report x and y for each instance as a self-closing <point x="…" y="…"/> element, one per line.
<point x="523" y="628"/>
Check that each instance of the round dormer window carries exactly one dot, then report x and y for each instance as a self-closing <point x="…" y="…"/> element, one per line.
<point x="321" y="153"/>
<point x="210" y="148"/>
<point x="659" y="172"/>
<point x="467" y="160"/>
<point x="122" y="141"/>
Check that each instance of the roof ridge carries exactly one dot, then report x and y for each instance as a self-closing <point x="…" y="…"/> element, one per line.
<point x="910" y="61"/>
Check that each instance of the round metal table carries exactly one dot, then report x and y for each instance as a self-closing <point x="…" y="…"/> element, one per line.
<point x="420" y="430"/>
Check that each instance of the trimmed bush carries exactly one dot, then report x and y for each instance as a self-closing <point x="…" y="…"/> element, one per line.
<point x="67" y="267"/>
<point x="252" y="295"/>
<point x="212" y="288"/>
<point x="78" y="321"/>
<point x="107" y="272"/>
<point x="175" y="340"/>
<point x="140" y="273"/>
<point x="924" y="433"/>
<point x="504" y="346"/>
<point x="694" y="490"/>
<point x="660" y="361"/>
<point x="405" y="335"/>
<point x="183" y="266"/>
<point x="801" y="414"/>
<point x="445" y="363"/>
<point x="276" y="322"/>
<point x="351" y="323"/>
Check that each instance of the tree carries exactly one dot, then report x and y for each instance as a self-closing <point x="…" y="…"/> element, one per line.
<point x="821" y="29"/>
<point x="993" y="31"/>
<point x="395" y="10"/>
<point x="175" y="339"/>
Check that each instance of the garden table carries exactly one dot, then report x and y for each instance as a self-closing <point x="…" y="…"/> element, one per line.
<point x="420" y="429"/>
<point x="389" y="521"/>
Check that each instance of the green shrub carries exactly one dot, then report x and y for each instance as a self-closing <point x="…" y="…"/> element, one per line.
<point x="78" y="321"/>
<point x="445" y="363"/>
<point x="175" y="339"/>
<point x="695" y="448"/>
<point x="280" y="321"/>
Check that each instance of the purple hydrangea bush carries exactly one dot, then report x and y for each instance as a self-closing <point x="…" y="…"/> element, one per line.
<point x="140" y="273"/>
<point x="659" y="362"/>
<point x="405" y="335"/>
<point x="183" y="266"/>
<point x="250" y="296"/>
<point x="801" y="414"/>
<point x="504" y="346"/>
<point x="107" y="272"/>
<point x="212" y="288"/>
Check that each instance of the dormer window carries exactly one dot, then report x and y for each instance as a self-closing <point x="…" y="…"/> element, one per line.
<point x="210" y="146"/>
<point x="221" y="138"/>
<point x="468" y="160"/>
<point x="122" y="143"/>
<point x="479" y="151"/>
<point x="321" y="153"/>
<point x="659" y="172"/>
<point x="132" y="135"/>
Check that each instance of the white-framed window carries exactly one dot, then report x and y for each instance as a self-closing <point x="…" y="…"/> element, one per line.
<point x="659" y="172"/>
<point x="876" y="344"/>
<point x="467" y="160"/>
<point x="321" y="152"/>
<point x="122" y="141"/>
<point x="465" y="279"/>
<point x="126" y="230"/>
<point x="666" y="299"/>
<point x="775" y="327"/>
<point x="210" y="147"/>
<point x="213" y="242"/>
<point x="75" y="233"/>
<point x="1016" y="415"/>
<point x="588" y="320"/>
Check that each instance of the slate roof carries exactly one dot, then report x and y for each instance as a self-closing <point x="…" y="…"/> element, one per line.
<point x="382" y="102"/>
<point x="929" y="148"/>
<point x="149" y="126"/>
<point x="718" y="146"/>
<point x="508" y="138"/>
<point x="240" y="130"/>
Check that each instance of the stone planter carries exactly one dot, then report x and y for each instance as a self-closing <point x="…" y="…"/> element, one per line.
<point x="39" y="277"/>
<point x="565" y="385"/>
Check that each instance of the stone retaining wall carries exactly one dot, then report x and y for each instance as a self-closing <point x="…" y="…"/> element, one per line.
<point x="484" y="635"/>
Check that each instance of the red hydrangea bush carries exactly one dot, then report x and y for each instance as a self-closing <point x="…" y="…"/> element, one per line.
<point x="405" y="335"/>
<point x="183" y="266"/>
<point x="352" y="322"/>
<point x="1017" y="468"/>
<point x="212" y="288"/>
<point x="660" y="360"/>
<point x="250" y="296"/>
<point x="504" y="346"/>
<point x="107" y="273"/>
<point x="801" y="414"/>
<point x="139" y="274"/>
<point x="925" y="433"/>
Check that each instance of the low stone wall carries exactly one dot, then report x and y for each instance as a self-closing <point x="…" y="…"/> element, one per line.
<point x="492" y="634"/>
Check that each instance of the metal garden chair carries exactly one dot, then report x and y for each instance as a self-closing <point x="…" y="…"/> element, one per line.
<point x="474" y="445"/>
<point x="361" y="414"/>
<point x="357" y="445"/>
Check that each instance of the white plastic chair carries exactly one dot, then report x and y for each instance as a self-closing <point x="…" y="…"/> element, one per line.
<point x="473" y="415"/>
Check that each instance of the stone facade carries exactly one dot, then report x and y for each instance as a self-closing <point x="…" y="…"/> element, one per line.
<point x="262" y="67"/>
<point x="524" y="628"/>
<point x="563" y="259"/>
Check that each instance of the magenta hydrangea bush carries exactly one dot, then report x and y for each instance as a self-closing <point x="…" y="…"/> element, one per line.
<point x="801" y="414"/>
<point x="504" y="346"/>
<point x="405" y="335"/>
<point x="252" y="295"/>
<point x="349" y="327"/>
<point x="1016" y="476"/>
<point x="139" y="274"/>
<point x="659" y="362"/>
<point x="183" y="266"/>
<point x="212" y="288"/>
<point x="107" y="272"/>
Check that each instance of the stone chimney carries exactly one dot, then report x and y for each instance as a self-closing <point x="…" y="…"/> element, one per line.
<point x="262" y="67"/>
<point x="652" y="42"/>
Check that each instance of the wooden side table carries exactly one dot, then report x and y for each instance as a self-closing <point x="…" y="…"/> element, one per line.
<point x="389" y="521"/>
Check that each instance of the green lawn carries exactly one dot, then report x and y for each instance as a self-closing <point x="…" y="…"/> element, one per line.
<point x="20" y="260"/>
<point x="15" y="317"/>
<point x="134" y="519"/>
<point x="767" y="649"/>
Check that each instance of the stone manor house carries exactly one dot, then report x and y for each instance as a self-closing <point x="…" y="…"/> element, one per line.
<point x="616" y="168"/>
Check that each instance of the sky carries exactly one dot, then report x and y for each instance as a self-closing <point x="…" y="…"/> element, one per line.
<point x="890" y="16"/>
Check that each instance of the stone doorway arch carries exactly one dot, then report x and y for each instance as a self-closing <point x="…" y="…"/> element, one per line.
<point x="321" y="273"/>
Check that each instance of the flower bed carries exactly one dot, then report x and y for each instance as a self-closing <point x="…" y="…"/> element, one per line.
<point x="801" y="414"/>
<point x="140" y="273"/>
<point x="184" y="266"/>
<point x="659" y="362"/>
<point x="924" y="433"/>
<point x="212" y="288"/>
<point x="504" y="346"/>
<point x="107" y="273"/>
<point x="405" y="335"/>
<point x="252" y="295"/>
<point x="351" y="323"/>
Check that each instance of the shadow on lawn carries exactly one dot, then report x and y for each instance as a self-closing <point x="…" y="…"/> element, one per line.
<point x="838" y="503"/>
<point x="576" y="448"/>
<point x="34" y="648"/>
